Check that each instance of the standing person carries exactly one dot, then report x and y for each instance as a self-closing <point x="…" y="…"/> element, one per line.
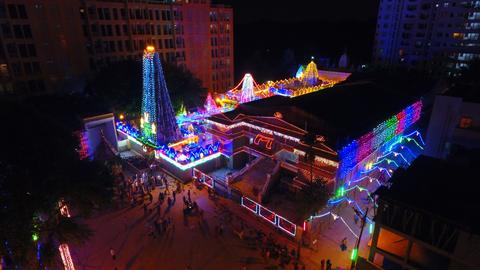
<point x="329" y="265"/>
<point x="355" y="219"/>
<point x="112" y="252"/>
<point x="188" y="193"/>
<point x="220" y="231"/>
<point x="344" y="244"/>
<point x="322" y="264"/>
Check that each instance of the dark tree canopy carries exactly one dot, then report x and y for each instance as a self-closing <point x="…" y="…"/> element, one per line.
<point x="39" y="166"/>
<point x="119" y="87"/>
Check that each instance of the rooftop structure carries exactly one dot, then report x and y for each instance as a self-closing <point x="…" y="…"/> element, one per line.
<point x="334" y="112"/>
<point x="349" y="143"/>
<point x="423" y="220"/>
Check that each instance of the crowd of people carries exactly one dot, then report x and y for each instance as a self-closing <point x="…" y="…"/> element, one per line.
<point x="138" y="191"/>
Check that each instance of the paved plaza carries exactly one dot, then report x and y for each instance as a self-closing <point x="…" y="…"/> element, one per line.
<point x="194" y="242"/>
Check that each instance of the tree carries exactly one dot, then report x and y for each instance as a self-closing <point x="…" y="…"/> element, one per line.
<point x="315" y="196"/>
<point x="309" y="139"/>
<point x="119" y="87"/>
<point x="39" y="167"/>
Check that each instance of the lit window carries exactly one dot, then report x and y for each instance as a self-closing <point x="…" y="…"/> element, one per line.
<point x="465" y="122"/>
<point x="458" y="35"/>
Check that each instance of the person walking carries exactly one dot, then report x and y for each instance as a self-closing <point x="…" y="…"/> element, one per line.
<point x="112" y="252"/>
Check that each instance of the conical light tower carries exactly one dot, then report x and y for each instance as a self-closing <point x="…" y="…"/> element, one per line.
<point x="310" y="75"/>
<point x="158" y="122"/>
<point x="247" y="89"/>
<point x="210" y="105"/>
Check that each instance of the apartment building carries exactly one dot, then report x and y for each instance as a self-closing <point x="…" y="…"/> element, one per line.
<point x="55" y="45"/>
<point x="436" y="35"/>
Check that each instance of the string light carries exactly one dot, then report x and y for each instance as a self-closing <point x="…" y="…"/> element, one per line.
<point x="66" y="257"/>
<point x="357" y="150"/>
<point x="300" y="71"/>
<point x="156" y="105"/>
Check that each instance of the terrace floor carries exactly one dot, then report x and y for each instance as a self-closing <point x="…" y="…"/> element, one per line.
<point x="221" y="173"/>
<point x="252" y="181"/>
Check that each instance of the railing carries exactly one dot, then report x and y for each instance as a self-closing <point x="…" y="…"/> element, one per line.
<point x="270" y="216"/>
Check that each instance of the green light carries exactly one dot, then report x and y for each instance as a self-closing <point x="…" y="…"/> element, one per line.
<point x="370" y="228"/>
<point x="353" y="257"/>
<point x="35" y="237"/>
<point x="341" y="192"/>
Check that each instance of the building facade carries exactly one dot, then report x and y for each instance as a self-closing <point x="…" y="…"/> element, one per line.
<point x="454" y="122"/>
<point x="41" y="46"/>
<point x="418" y="231"/>
<point x="428" y="34"/>
<point x="56" y="45"/>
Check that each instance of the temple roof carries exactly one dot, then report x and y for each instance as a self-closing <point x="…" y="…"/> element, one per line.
<point x="340" y="113"/>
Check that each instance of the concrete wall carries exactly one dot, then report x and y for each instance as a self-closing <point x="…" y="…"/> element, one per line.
<point x="95" y="126"/>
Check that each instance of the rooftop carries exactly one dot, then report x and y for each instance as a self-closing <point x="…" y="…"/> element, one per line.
<point x="340" y="113"/>
<point x="444" y="188"/>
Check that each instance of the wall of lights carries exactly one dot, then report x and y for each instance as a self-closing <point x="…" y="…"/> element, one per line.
<point x="359" y="149"/>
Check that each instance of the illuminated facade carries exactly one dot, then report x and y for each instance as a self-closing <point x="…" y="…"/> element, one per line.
<point x="344" y="153"/>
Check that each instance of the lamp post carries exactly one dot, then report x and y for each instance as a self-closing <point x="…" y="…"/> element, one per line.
<point x="355" y="250"/>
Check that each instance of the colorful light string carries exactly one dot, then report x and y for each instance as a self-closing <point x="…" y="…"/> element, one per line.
<point x="359" y="149"/>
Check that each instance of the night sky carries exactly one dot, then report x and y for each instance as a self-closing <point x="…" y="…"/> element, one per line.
<point x="272" y="38"/>
<point x="247" y="11"/>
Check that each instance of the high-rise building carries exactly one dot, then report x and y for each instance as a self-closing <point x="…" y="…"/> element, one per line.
<point x="42" y="48"/>
<point x="436" y="35"/>
<point x="56" y="45"/>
